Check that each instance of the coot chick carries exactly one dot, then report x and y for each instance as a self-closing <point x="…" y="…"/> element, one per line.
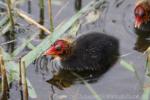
<point x="142" y="13"/>
<point x="91" y="51"/>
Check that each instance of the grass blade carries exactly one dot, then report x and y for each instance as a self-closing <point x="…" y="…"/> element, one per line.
<point x="127" y="65"/>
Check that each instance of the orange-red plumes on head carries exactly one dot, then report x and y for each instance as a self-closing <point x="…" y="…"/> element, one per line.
<point x="57" y="48"/>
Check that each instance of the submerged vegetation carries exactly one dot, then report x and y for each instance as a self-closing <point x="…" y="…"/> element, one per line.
<point x="16" y="22"/>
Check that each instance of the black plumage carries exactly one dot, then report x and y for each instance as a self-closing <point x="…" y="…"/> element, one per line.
<point x="92" y="51"/>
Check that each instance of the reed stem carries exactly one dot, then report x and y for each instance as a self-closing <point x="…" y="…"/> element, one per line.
<point x="41" y="21"/>
<point x="29" y="6"/>
<point x="9" y="9"/>
<point x="24" y="81"/>
<point x="20" y="80"/>
<point x="50" y="16"/>
<point x="5" y="87"/>
<point x="32" y="21"/>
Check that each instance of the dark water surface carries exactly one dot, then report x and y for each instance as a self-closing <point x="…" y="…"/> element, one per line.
<point x="117" y="84"/>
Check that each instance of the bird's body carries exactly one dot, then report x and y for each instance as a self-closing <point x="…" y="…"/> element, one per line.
<point x="92" y="51"/>
<point x="142" y="13"/>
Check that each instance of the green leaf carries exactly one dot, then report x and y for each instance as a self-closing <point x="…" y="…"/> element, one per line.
<point x="23" y="45"/>
<point x="127" y="65"/>
<point x="5" y="29"/>
<point x="147" y="52"/>
<point x="31" y="90"/>
<point x="4" y="21"/>
<point x="31" y="46"/>
<point x="146" y="94"/>
<point x="74" y="29"/>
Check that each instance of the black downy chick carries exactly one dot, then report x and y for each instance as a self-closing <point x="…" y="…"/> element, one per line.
<point x="91" y="51"/>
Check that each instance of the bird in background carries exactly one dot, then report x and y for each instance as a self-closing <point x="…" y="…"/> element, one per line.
<point x="142" y="13"/>
<point x="91" y="51"/>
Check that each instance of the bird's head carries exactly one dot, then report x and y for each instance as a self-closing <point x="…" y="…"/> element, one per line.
<point x="142" y="13"/>
<point x="60" y="48"/>
<point x="139" y="13"/>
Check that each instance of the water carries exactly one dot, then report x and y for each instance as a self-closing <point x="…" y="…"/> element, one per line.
<point x="117" y="84"/>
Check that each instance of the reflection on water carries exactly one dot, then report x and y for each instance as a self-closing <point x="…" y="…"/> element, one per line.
<point x="118" y="3"/>
<point x="77" y="4"/>
<point x="10" y="36"/>
<point x="66" y="78"/>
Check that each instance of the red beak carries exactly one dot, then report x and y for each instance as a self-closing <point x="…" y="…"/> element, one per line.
<point x="138" y="22"/>
<point x="50" y="51"/>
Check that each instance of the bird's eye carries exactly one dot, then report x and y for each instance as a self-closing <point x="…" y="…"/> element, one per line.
<point x="58" y="47"/>
<point x="139" y="12"/>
